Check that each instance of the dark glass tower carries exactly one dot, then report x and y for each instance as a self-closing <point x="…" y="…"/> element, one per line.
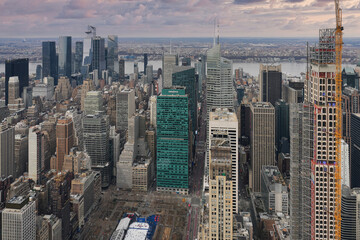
<point x="65" y="56"/>
<point x="145" y="62"/>
<point x="78" y="56"/>
<point x="112" y="53"/>
<point x="16" y="67"/>
<point x="98" y="58"/>
<point x="49" y="60"/>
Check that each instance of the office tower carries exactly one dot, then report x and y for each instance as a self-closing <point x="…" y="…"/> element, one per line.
<point x="77" y="117"/>
<point x="112" y="53"/>
<point x="220" y="191"/>
<point x="172" y="141"/>
<point x="274" y="190"/>
<point x="240" y="93"/>
<point x="200" y="67"/>
<point x="282" y="135"/>
<point x="125" y="108"/>
<point x="168" y="62"/>
<point x="64" y="140"/>
<point x="19" y="68"/>
<point x="13" y="89"/>
<point x="38" y="72"/>
<point x="270" y="81"/>
<point x="350" y="104"/>
<point x="7" y="146"/>
<point x="88" y="85"/>
<point x="93" y="103"/>
<point x="96" y="142"/>
<point x="301" y="151"/>
<point x="59" y="199"/>
<point x="21" y="155"/>
<point x="185" y="76"/>
<point x="65" y="56"/>
<point x="54" y="224"/>
<point x="135" y="167"/>
<point x="88" y="51"/>
<point x="122" y="69"/>
<point x="355" y="151"/>
<point x="223" y="127"/>
<point x="292" y="91"/>
<point x="19" y="219"/>
<point x="149" y="74"/>
<point x="186" y="61"/>
<point x="78" y="57"/>
<point x="345" y="164"/>
<point x="63" y="90"/>
<point x="36" y="154"/>
<point x="49" y="60"/>
<point x="152" y="106"/>
<point x="219" y="85"/>
<point x="318" y="95"/>
<point x="98" y="58"/>
<point x="350" y="78"/>
<point x="262" y="135"/>
<point x="27" y="96"/>
<point x="145" y="63"/>
<point x="350" y="213"/>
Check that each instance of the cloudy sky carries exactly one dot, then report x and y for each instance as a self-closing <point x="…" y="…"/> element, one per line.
<point x="175" y="18"/>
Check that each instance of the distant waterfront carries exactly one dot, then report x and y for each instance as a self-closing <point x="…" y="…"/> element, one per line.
<point x="290" y="68"/>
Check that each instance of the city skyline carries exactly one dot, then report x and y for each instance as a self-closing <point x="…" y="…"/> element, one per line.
<point x="168" y="18"/>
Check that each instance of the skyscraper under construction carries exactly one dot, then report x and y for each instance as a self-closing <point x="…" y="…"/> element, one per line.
<point x="314" y="163"/>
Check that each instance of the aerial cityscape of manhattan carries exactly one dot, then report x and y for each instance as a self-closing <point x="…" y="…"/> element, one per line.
<point x="180" y="120"/>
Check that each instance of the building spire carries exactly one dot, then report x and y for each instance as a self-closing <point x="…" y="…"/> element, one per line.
<point x="214" y="32"/>
<point x="218" y="33"/>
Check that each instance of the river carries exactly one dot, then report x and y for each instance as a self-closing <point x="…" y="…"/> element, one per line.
<point x="290" y="68"/>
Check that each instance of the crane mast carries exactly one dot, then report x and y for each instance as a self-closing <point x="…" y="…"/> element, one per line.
<point x="338" y="132"/>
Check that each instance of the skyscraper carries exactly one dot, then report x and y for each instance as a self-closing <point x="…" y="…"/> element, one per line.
<point x="7" y="146"/>
<point x="98" y="57"/>
<point x="318" y="90"/>
<point x="355" y="151"/>
<point x="88" y="51"/>
<point x="223" y="132"/>
<point x="112" y="53"/>
<point x="281" y="125"/>
<point x="122" y="69"/>
<point x="49" y="60"/>
<point x="36" y="156"/>
<point x="125" y="108"/>
<point x="64" y="140"/>
<point x="270" y="81"/>
<point x="93" y="103"/>
<point x="219" y="86"/>
<point x="172" y="141"/>
<point x="13" y="91"/>
<point x="221" y="199"/>
<point x="65" y="56"/>
<point x="96" y="143"/>
<point x="185" y="76"/>
<point x="145" y="63"/>
<point x="19" y="68"/>
<point x="262" y="135"/>
<point x="168" y="63"/>
<point x="78" y="57"/>
<point x="350" y="213"/>
<point x="19" y="219"/>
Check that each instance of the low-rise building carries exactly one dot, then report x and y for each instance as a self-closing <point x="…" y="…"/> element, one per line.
<point x="274" y="190"/>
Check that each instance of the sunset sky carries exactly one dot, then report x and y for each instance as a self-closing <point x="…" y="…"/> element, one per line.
<point x="175" y="18"/>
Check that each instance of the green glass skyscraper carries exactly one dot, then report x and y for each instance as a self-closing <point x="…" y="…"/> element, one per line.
<point x="173" y="141"/>
<point x="185" y="76"/>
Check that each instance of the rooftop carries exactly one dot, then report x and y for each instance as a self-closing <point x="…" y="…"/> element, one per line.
<point x="222" y="114"/>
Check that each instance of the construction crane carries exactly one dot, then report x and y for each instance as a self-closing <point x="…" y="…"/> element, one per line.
<point x="338" y="132"/>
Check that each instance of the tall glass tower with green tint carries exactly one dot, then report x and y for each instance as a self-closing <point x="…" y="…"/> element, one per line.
<point x="173" y="141"/>
<point x="185" y="76"/>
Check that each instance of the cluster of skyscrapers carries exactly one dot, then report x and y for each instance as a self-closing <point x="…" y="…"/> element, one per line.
<point x="267" y="146"/>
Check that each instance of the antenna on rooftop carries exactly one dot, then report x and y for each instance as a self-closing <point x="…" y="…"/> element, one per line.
<point x="214" y="32"/>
